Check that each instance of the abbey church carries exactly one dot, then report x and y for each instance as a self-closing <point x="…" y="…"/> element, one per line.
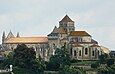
<point x="80" y="44"/>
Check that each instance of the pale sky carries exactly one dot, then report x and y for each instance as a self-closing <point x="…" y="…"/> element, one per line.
<point x="38" y="17"/>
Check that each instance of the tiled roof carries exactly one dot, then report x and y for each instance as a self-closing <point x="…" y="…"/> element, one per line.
<point x="77" y="45"/>
<point x="92" y="40"/>
<point x="61" y="30"/>
<point x="95" y="45"/>
<point x="64" y="39"/>
<point x="27" y="40"/>
<point x="79" y="33"/>
<point x="66" y="19"/>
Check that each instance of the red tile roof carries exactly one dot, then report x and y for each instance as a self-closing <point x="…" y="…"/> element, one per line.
<point x="61" y="31"/>
<point x="95" y="46"/>
<point x="79" y="33"/>
<point x="77" y="45"/>
<point x="27" y="40"/>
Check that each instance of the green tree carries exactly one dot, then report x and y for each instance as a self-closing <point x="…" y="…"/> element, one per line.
<point x="8" y="60"/>
<point x="105" y="70"/>
<point x="110" y="62"/>
<point x="103" y="58"/>
<point x="61" y="57"/>
<point x="71" y="70"/>
<point x="23" y="56"/>
<point x="95" y="65"/>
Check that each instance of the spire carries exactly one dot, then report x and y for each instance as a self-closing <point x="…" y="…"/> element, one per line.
<point x="55" y="30"/>
<point x="18" y="35"/>
<point x="10" y="35"/>
<point x="66" y="19"/>
<point x="3" y="37"/>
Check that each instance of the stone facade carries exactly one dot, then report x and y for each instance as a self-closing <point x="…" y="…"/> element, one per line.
<point x="81" y="44"/>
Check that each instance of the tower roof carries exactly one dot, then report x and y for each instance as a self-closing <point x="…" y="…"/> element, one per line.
<point x="66" y="19"/>
<point x="55" y="30"/>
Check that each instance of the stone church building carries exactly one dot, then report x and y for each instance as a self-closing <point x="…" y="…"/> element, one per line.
<point x="80" y="44"/>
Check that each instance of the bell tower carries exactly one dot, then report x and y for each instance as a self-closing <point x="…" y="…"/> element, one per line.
<point x="67" y="24"/>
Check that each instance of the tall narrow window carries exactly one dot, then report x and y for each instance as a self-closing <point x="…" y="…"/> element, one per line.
<point x="98" y="52"/>
<point x="86" y="51"/>
<point x="93" y="53"/>
<point x="76" y="39"/>
<point x="75" y="53"/>
<point x="79" y="52"/>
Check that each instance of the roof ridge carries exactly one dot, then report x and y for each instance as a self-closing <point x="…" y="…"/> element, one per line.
<point x="66" y="18"/>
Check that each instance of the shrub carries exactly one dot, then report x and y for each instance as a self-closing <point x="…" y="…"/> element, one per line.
<point x="95" y="65"/>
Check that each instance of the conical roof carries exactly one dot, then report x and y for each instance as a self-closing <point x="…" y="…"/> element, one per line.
<point x="66" y="19"/>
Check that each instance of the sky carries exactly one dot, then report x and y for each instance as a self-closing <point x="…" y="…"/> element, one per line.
<point x="38" y="17"/>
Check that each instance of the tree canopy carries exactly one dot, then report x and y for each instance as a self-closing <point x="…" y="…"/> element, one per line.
<point x="23" y="56"/>
<point x="61" y="57"/>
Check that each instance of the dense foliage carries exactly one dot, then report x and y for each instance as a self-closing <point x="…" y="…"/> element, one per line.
<point x="105" y="64"/>
<point x="71" y="70"/>
<point x="103" y="58"/>
<point x="25" y="57"/>
<point x="61" y="57"/>
<point x="95" y="65"/>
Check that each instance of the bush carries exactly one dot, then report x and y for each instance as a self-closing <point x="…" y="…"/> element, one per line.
<point x="71" y="70"/>
<point x="23" y="71"/>
<point x="110" y="62"/>
<point x="51" y="66"/>
<point x="75" y="61"/>
<point x="95" y="65"/>
<point x="105" y="70"/>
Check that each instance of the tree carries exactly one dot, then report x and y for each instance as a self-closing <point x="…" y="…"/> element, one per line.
<point x="61" y="57"/>
<point x="105" y="70"/>
<point x="110" y="62"/>
<point x="23" y="56"/>
<point x="95" y="65"/>
<point x="103" y="58"/>
<point x="8" y="60"/>
<point x="71" y="70"/>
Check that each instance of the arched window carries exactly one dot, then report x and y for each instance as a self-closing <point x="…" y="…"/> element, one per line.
<point x="79" y="52"/>
<point x="93" y="53"/>
<point x="75" y="53"/>
<point x="86" y="51"/>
